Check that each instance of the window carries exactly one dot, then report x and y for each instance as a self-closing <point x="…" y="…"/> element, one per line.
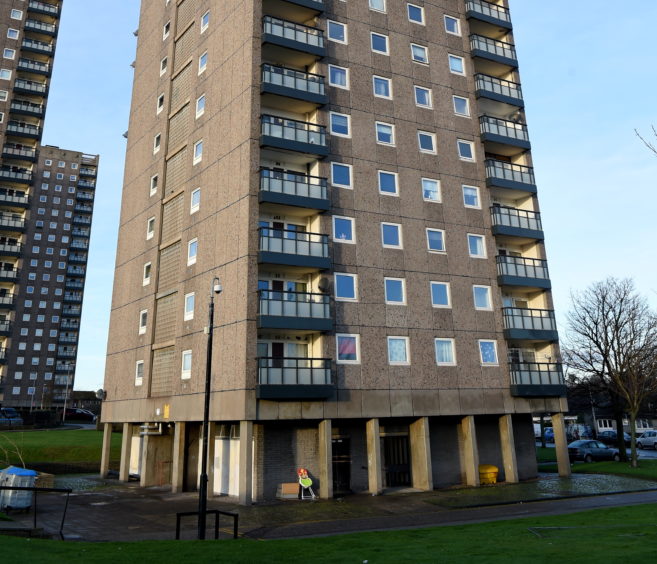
<point x="16" y="14"/>
<point x="343" y="229"/>
<point x="16" y="390"/>
<point x="339" y="124"/>
<point x="143" y="321"/>
<point x="488" y="352"/>
<point x="198" y="152"/>
<point x="165" y="30"/>
<point x="382" y="87"/>
<point x="388" y="183"/>
<point x="415" y="14"/>
<point x="461" y="106"/>
<point x="423" y="97"/>
<point x="202" y="62"/>
<point x="347" y="348"/>
<point x="476" y="246"/>
<point x="445" y="352"/>
<point x="189" y="306"/>
<point x="426" y="142"/>
<point x="482" y="297"/>
<point x="456" y="64"/>
<point x="430" y="190"/>
<point x="338" y="77"/>
<point x="200" y="106"/>
<point x="147" y="274"/>
<point x="195" y="201"/>
<point x="395" y="291"/>
<point x="9" y="53"/>
<point x="156" y="143"/>
<point x="139" y="373"/>
<point x="346" y="287"/>
<point x="378" y="5"/>
<point x="436" y="240"/>
<point x="419" y="54"/>
<point x="153" y="184"/>
<point x="186" y="372"/>
<point x="12" y="33"/>
<point x="150" y="228"/>
<point x="385" y="133"/>
<point x="452" y="25"/>
<point x="391" y="235"/>
<point x="205" y="21"/>
<point x="341" y="175"/>
<point x="379" y="43"/>
<point x="163" y="66"/>
<point x="440" y="294"/>
<point x="471" y="197"/>
<point x="466" y="150"/>
<point x="160" y="103"/>
<point x="336" y="31"/>
<point x="6" y="75"/>
<point x="398" y="350"/>
<point x="192" y="251"/>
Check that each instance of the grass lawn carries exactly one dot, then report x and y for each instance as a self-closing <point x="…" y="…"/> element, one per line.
<point x="546" y="454"/>
<point x="68" y="447"/>
<point x="605" y="535"/>
<point x="647" y="469"/>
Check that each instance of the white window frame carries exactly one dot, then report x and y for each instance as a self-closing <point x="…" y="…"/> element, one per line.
<point x="338" y="298"/>
<point x="186" y="373"/>
<point x="458" y="25"/>
<point x="489" y="297"/>
<point x="396" y="179"/>
<point x="349" y="186"/>
<point x="386" y="80"/>
<point x="407" y="362"/>
<point x="150" y="228"/>
<point x="467" y="106"/>
<point x="202" y="62"/>
<point x="333" y="133"/>
<point x="205" y="21"/>
<point x="480" y="342"/>
<point x="356" y="337"/>
<point x="426" y="53"/>
<point x="408" y="13"/>
<point x="16" y="14"/>
<point x="387" y="50"/>
<point x="8" y="53"/>
<point x="157" y="143"/>
<point x="164" y="64"/>
<point x="160" y="104"/>
<point x="166" y="30"/>
<point x="444" y="249"/>
<point x="440" y="194"/>
<point x="194" y="207"/>
<point x="435" y="351"/>
<point x="451" y="57"/>
<point x="143" y="321"/>
<point x="352" y="220"/>
<point x="13" y="33"/>
<point x="482" y="238"/>
<point x="462" y="142"/>
<point x="478" y="205"/>
<point x="146" y="274"/>
<point x="375" y="9"/>
<point x="192" y="243"/>
<point x="139" y="380"/>
<point x="154" y="183"/>
<point x="399" y="233"/>
<point x="403" y="289"/>
<point x="392" y="133"/>
<point x="344" y="26"/>
<point x="198" y="152"/>
<point x="431" y="136"/>
<point x="448" y="305"/>
<point x="189" y="314"/>
<point x="346" y="76"/>
<point x="200" y="106"/>
<point x="430" y="97"/>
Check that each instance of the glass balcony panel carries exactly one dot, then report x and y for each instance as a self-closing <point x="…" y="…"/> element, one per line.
<point x="513" y="217"/>
<point x="488" y="9"/>
<point x="294" y="371"/>
<point x="522" y="267"/>
<point x="293" y="79"/>
<point x="504" y="128"/>
<point x="509" y="171"/>
<point x="493" y="46"/>
<point x="529" y="319"/>
<point x="293" y="31"/>
<point x="537" y="374"/>
<point x="498" y="86"/>
<point x="294" y="304"/>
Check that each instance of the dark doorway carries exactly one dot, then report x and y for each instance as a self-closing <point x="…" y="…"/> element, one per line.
<point x="341" y="466"/>
<point x="396" y="460"/>
<point x="192" y="438"/>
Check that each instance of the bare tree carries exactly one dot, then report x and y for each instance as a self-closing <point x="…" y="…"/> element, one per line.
<point x="647" y="143"/>
<point x="612" y="341"/>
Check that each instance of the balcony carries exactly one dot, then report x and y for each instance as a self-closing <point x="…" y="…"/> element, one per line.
<point x="522" y="324"/>
<point x="294" y="378"/>
<point x="7" y="301"/>
<point x="498" y="89"/>
<point x="79" y="244"/>
<point x="493" y="50"/>
<point x="502" y="132"/>
<point x="70" y="324"/>
<point x="522" y="272"/>
<point x="30" y="87"/>
<point x="73" y="297"/>
<point x="23" y="107"/>
<point x="294" y="310"/>
<point x="38" y="26"/>
<point x="488" y="12"/>
<point x="77" y="258"/>
<point x="23" y="130"/>
<point x="81" y="220"/>
<point x="19" y="153"/>
<point x="83" y="208"/>
<point x="9" y="274"/>
<point x="67" y="338"/>
<point x="294" y="248"/>
<point x="65" y="367"/>
<point x="72" y="311"/>
<point x="16" y="174"/>
<point x="74" y="284"/>
<point x="283" y="35"/>
<point x="43" y="8"/>
<point x="5" y="328"/>
<point x="64" y="353"/>
<point x="78" y="271"/>
<point x="30" y="65"/>
<point x="315" y="5"/>
<point x="10" y="249"/>
<point x="294" y="189"/>
<point x="502" y="174"/>
<point x="77" y="232"/>
<point x="290" y="83"/>
<point x="85" y="171"/>
<point x="86" y="184"/>
<point x="37" y="46"/>
<point x="84" y="196"/>
<point x="537" y="379"/>
<point x="513" y="222"/>
<point x="293" y="135"/>
<point x="17" y="199"/>
<point x="11" y="222"/>
<point x="3" y="355"/>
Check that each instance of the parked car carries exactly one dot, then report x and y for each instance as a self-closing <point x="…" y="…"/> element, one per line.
<point x="78" y="414"/>
<point x="648" y="439"/>
<point x="609" y="437"/>
<point x="588" y="451"/>
<point x="549" y="434"/>
<point x="9" y="417"/>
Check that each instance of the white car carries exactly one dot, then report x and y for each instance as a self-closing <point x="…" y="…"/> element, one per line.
<point x="648" y="439"/>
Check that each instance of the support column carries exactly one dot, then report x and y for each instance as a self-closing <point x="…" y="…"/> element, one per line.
<point x="374" y="456"/>
<point x="178" y="462"/>
<point x="212" y="433"/>
<point x="126" y="445"/>
<point x="105" y="453"/>
<point x="561" y="444"/>
<point x="421" y="469"/>
<point x="146" y="473"/>
<point x="468" y="450"/>
<point x="508" y="442"/>
<point x="246" y="463"/>
<point x="325" y="459"/>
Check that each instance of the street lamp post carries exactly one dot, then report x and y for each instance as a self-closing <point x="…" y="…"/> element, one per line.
<point x="203" y="484"/>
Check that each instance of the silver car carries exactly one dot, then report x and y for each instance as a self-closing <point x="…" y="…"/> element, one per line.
<point x="648" y="439"/>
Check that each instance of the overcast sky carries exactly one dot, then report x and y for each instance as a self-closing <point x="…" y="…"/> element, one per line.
<point x="588" y="78"/>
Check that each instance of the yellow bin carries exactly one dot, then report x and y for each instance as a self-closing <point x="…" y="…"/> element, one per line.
<point x="488" y="474"/>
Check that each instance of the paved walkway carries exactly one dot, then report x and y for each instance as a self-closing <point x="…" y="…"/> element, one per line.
<point x="126" y="512"/>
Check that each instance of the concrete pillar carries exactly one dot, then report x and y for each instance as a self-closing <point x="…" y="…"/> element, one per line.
<point x="561" y="444"/>
<point x="146" y="472"/>
<point x="126" y="444"/>
<point x="508" y="443"/>
<point x="105" y="453"/>
<point x="325" y="459"/>
<point x="421" y="470"/>
<point x="178" y="461"/>
<point x="468" y="450"/>
<point x="246" y="463"/>
<point x="374" y="456"/>
<point x="212" y="433"/>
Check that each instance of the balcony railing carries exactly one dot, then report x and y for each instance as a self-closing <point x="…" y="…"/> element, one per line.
<point x="82" y="220"/>
<point x="11" y="221"/>
<point x="79" y="244"/>
<point x="7" y="300"/>
<point x="537" y="379"/>
<point x="21" y="106"/>
<point x="74" y="311"/>
<point x="77" y="232"/>
<point x="498" y="89"/>
<point x="31" y="65"/>
<point x="85" y="171"/>
<point x="65" y="367"/>
<point x="305" y="246"/>
<point x="63" y="353"/>
<point x="515" y="218"/>
<point x="73" y="297"/>
<point x="291" y="82"/>
<point x="74" y="284"/>
<point x="509" y="175"/>
<point x="39" y="46"/>
<point x="5" y="327"/>
<point x="520" y="267"/>
<point x="488" y="10"/>
<point x="76" y="270"/>
<point x="293" y="188"/>
<point x="67" y="338"/>
<point x="83" y="208"/>
<point x="31" y="86"/>
<point x="10" y="248"/>
<point x="9" y="274"/>
<point x="298" y="35"/>
<point x="79" y="258"/>
<point x="294" y="378"/>
<point x="502" y="130"/>
<point x="23" y="129"/>
<point x="18" y="153"/>
<point x="43" y="7"/>
<point x="294" y="310"/>
<point x="84" y="196"/>
<point x="86" y="184"/>
<point x="529" y="319"/>
<point x="69" y="324"/>
<point x="294" y="135"/>
<point x="498" y="50"/>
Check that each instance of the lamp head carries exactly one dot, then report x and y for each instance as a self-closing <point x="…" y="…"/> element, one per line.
<point x="216" y="286"/>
